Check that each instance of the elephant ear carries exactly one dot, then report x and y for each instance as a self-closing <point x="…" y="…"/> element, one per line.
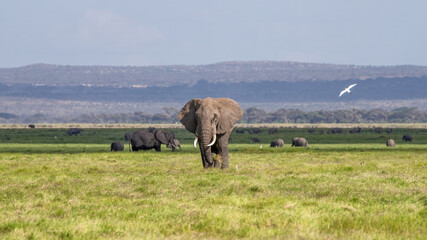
<point x="187" y="115"/>
<point x="231" y="113"/>
<point x="161" y="136"/>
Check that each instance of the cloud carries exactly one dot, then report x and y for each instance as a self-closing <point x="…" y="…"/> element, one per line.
<point x="106" y="28"/>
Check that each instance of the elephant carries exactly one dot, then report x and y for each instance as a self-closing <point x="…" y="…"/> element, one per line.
<point x="74" y="131"/>
<point x="355" y="130"/>
<point x="240" y="131"/>
<point x="378" y="130"/>
<point x="390" y="143"/>
<point x="117" y="146"/>
<point x="128" y="136"/>
<point x="273" y="131"/>
<point x="299" y="142"/>
<point x="212" y="121"/>
<point x="336" y="131"/>
<point x="277" y="143"/>
<point x="152" y="138"/>
<point x="254" y="131"/>
<point x="176" y="144"/>
<point x="407" y="138"/>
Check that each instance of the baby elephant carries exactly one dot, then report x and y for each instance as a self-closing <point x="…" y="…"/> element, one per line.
<point x="277" y="143"/>
<point x="299" y="142"/>
<point x="390" y="143"/>
<point x="176" y="143"/>
<point x="117" y="146"/>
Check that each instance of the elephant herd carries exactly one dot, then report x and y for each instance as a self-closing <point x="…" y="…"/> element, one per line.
<point x="296" y="142"/>
<point x="211" y="120"/>
<point x="147" y="139"/>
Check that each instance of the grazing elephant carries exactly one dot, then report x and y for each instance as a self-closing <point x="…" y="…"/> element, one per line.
<point x="390" y="143"/>
<point x="299" y="142"/>
<point x="355" y="130"/>
<point x="254" y="131"/>
<point x="74" y="131"/>
<point x="407" y="138"/>
<point x="273" y="131"/>
<point x="176" y="144"/>
<point x="277" y="143"/>
<point x="152" y="138"/>
<point x="117" y="146"/>
<point x="337" y="131"/>
<point x="240" y="131"/>
<point x="378" y="130"/>
<point x="212" y="121"/>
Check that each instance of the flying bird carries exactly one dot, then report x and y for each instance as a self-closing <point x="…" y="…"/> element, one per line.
<point x="347" y="89"/>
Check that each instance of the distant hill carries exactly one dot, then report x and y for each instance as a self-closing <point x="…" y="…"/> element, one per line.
<point x="261" y="92"/>
<point x="57" y="90"/>
<point x="230" y="72"/>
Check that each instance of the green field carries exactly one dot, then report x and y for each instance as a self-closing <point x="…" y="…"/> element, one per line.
<point x="74" y="188"/>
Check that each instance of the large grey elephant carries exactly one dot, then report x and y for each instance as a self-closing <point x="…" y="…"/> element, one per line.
<point x="117" y="146"/>
<point x="390" y="143"/>
<point x="299" y="142"/>
<point x="152" y="138"/>
<point x="277" y="143"/>
<point x="212" y="121"/>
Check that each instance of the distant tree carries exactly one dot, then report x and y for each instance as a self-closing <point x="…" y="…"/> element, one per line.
<point x="255" y="115"/>
<point x="404" y="114"/>
<point x="376" y="115"/>
<point x="160" y="118"/>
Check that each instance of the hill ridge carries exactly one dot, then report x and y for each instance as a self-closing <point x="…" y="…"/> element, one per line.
<point x="227" y="71"/>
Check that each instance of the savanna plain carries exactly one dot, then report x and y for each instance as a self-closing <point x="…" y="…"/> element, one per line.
<point x="344" y="186"/>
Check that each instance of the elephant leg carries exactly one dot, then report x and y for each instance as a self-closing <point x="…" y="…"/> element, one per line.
<point x="158" y="148"/>
<point x="223" y="149"/>
<point x="204" y="160"/>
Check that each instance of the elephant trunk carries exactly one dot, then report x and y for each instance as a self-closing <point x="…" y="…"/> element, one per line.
<point x="206" y="139"/>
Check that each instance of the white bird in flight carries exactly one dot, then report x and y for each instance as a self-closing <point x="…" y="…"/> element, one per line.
<point x="347" y="89"/>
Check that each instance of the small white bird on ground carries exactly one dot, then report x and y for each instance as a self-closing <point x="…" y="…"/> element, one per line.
<point x="347" y="89"/>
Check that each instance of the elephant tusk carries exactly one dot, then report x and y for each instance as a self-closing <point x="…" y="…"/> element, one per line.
<point x="212" y="143"/>
<point x="195" y="142"/>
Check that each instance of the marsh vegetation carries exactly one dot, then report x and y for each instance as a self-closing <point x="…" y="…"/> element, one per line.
<point x="344" y="186"/>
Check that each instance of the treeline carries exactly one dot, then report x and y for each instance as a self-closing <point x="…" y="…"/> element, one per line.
<point x="251" y="115"/>
<point x="398" y="115"/>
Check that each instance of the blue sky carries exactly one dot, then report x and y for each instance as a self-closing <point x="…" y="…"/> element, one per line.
<point x="137" y="33"/>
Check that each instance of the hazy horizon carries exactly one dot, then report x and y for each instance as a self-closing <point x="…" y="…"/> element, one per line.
<point x="198" y="32"/>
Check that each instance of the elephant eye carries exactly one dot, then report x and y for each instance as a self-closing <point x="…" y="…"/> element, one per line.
<point x="215" y="118"/>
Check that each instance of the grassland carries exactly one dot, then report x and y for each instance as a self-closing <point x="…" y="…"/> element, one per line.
<point x="74" y="188"/>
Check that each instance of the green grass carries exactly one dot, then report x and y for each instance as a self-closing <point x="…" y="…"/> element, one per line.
<point x="82" y="191"/>
<point x="108" y="135"/>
